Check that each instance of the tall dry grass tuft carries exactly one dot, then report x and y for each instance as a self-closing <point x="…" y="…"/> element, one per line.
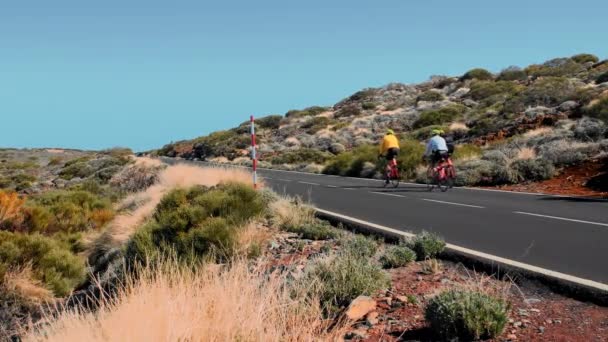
<point x="526" y="153"/>
<point x="538" y="132"/>
<point x="22" y="283"/>
<point x="142" y="204"/>
<point x="10" y="207"/>
<point x="212" y="304"/>
<point x="287" y="213"/>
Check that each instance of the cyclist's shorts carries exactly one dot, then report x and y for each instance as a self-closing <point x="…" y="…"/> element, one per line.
<point x="439" y="155"/>
<point x="392" y="153"/>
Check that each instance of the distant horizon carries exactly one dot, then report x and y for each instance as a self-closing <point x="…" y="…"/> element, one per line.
<point x="143" y="74"/>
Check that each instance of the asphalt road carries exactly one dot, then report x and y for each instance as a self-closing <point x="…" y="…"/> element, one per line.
<point x="562" y="234"/>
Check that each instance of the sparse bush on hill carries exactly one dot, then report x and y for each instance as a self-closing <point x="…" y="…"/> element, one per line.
<point x="439" y="116"/>
<point x="315" y="230"/>
<point x="468" y="315"/>
<point x="477" y="74"/>
<point x="351" y="163"/>
<point x="513" y="73"/>
<point x="348" y="111"/>
<point x="481" y="90"/>
<point x="52" y="262"/>
<point x="316" y="124"/>
<point x="363" y="245"/>
<point x="588" y="129"/>
<point x="548" y="91"/>
<point x="136" y="178"/>
<point x="410" y="156"/>
<point x="302" y="155"/>
<point x="585" y="58"/>
<point x="269" y="122"/>
<point x="602" y="78"/>
<point x="598" y="110"/>
<point x="310" y="111"/>
<point x="369" y="105"/>
<point x="558" y="67"/>
<point x="430" y="96"/>
<point x="533" y="170"/>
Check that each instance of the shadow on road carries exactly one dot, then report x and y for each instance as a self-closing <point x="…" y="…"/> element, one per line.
<point x="575" y="199"/>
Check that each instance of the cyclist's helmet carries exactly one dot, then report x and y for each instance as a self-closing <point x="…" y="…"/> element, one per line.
<point x="435" y="132"/>
<point x="390" y="131"/>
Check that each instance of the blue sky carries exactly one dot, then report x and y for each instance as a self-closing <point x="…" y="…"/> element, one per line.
<point x="143" y="73"/>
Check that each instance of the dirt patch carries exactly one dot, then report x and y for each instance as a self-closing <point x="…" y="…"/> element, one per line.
<point x="589" y="179"/>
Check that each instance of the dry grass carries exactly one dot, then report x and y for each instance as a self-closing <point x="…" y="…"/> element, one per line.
<point x="10" y="207"/>
<point x="288" y="213"/>
<point x="538" y="132"/>
<point x="432" y="266"/>
<point x="526" y="153"/>
<point x="25" y="286"/>
<point x="211" y="304"/>
<point x="458" y="126"/>
<point x="142" y="204"/>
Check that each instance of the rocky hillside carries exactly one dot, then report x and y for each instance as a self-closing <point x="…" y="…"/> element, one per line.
<point x="516" y="126"/>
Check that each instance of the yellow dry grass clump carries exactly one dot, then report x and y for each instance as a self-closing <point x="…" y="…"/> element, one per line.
<point x="538" y="132"/>
<point x="22" y="283"/>
<point x="212" y="304"/>
<point x="458" y="126"/>
<point x="10" y="206"/>
<point x="526" y="153"/>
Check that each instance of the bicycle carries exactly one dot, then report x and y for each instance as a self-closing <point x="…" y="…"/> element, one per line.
<point x="391" y="173"/>
<point x="441" y="175"/>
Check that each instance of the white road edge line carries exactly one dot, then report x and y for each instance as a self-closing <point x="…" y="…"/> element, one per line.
<point x="284" y="180"/>
<point x="562" y="218"/>
<point x="331" y="186"/>
<point x="385" y="194"/>
<point x="521" y="265"/>
<point x="348" y="188"/>
<point x="453" y="203"/>
<point x="316" y="184"/>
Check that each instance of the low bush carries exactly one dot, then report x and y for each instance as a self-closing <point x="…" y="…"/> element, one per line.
<point x="409" y="157"/>
<point x="397" y="256"/>
<point x="348" y="111"/>
<point x="565" y="152"/>
<point x="585" y="58"/>
<point x="310" y="111"/>
<point x="533" y="169"/>
<point x="430" y="96"/>
<point x="338" y="280"/>
<point x="369" y="105"/>
<point x="513" y="74"/>
<point x="136" y="177"/>
<point x="481" y="90"/>
<point x="269" y="122"/>
<point x="316" y="230"/>
<point x="602" y="78"/>
<point x="52" y="262"/>
<point x="360" y="244"/>
<point x="424" y="133"/>
<point x="588" y="129"/>
<point x="549" y="92"/>
<point x="466" y="151"/>
<point x="196" y="223"/>
<point x="598" y="110"/>
<point x="351" y="163"/>
<point x="426" y="245"/>
<point x="474" y="172"/>
<point x="477" y="74"/>
<point x="316" y="124"/>
<point x="302" y="155"/>
<point x="559" y="67"/>
<point x="439" y="116"/>
<point x="67" y="211"/>
<point x="467" y="315"/>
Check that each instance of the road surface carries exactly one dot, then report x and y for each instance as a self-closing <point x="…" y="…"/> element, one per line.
<point x="562" y="234"/>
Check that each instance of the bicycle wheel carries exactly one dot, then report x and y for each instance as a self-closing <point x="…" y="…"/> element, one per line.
<point x="386" y="180"/>
<point x="395" y="182"/>
<point x="443" y="184"/>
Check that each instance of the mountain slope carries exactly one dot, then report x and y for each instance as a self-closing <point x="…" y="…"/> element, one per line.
<point x="516" y="126"/>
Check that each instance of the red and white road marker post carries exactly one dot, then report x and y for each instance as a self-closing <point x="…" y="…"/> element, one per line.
<point x="254" y="158"/>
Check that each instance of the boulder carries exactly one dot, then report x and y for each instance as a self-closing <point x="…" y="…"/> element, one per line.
<point x="469" y="103"/>
<point x="534" y="112"/>
<point x="336" y="148"/>
<point x="460" y="93"/>
<point x="360" y="307"/>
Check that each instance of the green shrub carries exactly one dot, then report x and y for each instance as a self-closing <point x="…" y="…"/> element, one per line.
<point x="348" y="111"/>
<point x="467" y="315"/>
<point x="481" y="90"/>
<point x="602" y="78"/>
<point x="533" y="169"/>
<point x="477" y="74"/>
<point x="513" y="74"/>
<point x="53" y="161"/>
<point x="559" y="67"/>
<point x="424" y="133"/>
<point x="338" y="280"/>
<point x="585" y="58"/>
<point x="67" y="211"/>
<point x="409" y="157"/>
<point x="365" y="246"/>
<point x="351" y="163"/>
<point x="269" y="122"/>
<point x="310" y="111"/>
<point x="52" y="262"/>
<point x="430" y="96"/>
<point x="439" y="116"/>
<point x="196" y="223"/>
<point x="466" y="151"/>
<point x="397" y="256"/>
<point x="549" y="91"/>
<point x="316" y="230"/>
<point x="426" y="245"/>
<point x="300" y="156"/>
<point x="369" y="105"/>
<point x="316" y="124"/>
<point x="598" y="110"/>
